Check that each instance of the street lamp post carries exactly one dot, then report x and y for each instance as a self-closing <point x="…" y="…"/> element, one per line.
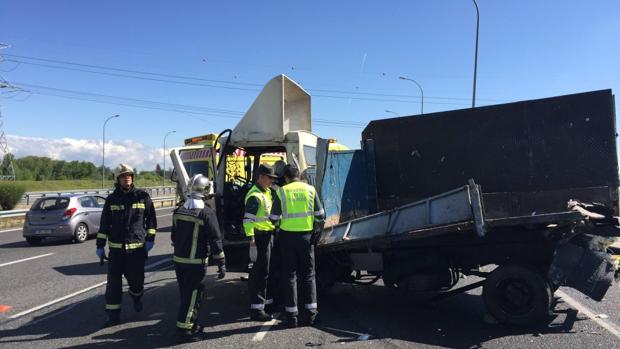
<point x="163" y="180"/>
<point x="421" y="91"/>
<point x="103" y="151"/>
<point x="392" y="112"/>
<point x="473" y="99"/>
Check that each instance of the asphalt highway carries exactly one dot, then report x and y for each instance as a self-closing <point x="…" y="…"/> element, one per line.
<point x="51" y="296"/>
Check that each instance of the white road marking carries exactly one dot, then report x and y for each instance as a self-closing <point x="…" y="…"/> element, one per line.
<point x="9" y="230"/>
<point x="25" y="259"/>
<point x="58" y="300"/>
<point x="609" y="326"/>
<point x="264" y="329"/>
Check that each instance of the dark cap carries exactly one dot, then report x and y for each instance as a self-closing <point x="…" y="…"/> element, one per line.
<point x="266" y="170"/>
<point x="291" y="171"/>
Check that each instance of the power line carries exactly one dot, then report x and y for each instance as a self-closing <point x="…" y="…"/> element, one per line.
<point x="154" y="105"/>
<point x="183" y="77"/>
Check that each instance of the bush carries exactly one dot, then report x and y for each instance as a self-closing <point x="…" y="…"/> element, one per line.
<point x="10" y="194"/>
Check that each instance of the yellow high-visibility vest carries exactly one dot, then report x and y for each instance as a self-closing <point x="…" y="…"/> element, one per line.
<point x="260" y="220"/>
<point x="297" y="201"/>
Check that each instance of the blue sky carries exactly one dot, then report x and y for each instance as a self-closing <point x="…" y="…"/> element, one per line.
<point x="348" y="54"/>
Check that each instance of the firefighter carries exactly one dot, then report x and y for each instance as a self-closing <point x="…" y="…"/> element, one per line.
<point x="296" y="210"/>
<point x="195" y="237"/>
<point x="128" y="225"/>
<point x="260" y="230"/>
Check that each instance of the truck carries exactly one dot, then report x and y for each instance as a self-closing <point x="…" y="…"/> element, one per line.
<point x="276" y="127"/>
<point x="523" y="196"/>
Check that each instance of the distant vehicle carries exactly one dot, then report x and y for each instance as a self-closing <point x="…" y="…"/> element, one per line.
<point x="73" y="216"/>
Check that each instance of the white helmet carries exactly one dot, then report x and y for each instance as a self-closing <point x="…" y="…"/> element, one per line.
<point x="200" y="186"/>
<point x="122" y="169"/>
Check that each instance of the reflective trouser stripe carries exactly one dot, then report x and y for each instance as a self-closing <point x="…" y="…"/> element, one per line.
<point x="112" y="306"/>
<point x="190" y="311"/>
<point x="311" y="306"/>
<point x="219" y="256"/>
<point x="291" y="309"/>
<point x="130" y="246"/>
<point x="184" y="325"/>
<point x="257" y="306"/>
<point x="102" y="236"/>
<point x="269" y="301"/>
<point x="151" y="231"/>
<point x="190" y="260"/>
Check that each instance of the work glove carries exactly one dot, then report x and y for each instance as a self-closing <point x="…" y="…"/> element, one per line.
<point x="221" y="269"/>
<point x="100" y="252"/>
<point x="149" y="245"/>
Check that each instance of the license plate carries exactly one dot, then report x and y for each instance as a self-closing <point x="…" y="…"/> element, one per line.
<point x="43" y="232"/>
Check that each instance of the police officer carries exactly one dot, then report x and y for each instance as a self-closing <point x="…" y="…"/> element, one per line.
<point x="260" y="230"/>
<point x="195" y="237"/>
<point x="297" y="209"/>
<point x="128" y="225"/>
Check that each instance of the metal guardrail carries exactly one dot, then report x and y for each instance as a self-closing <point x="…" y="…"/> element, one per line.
<point x="30" y="197"/>
<point x="19" y="213"/>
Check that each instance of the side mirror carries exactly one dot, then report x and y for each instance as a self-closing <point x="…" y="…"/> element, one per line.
<point x="173" y="176"/>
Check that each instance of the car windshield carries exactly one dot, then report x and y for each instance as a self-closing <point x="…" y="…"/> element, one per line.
<point x="50" y="204"/>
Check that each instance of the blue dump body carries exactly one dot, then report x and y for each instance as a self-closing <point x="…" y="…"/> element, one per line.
<point x="347" y="186"/>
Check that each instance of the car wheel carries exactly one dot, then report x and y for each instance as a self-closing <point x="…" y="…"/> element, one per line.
<point x="81" y="233"/>
<point x="33" y="241"/>
<point x="518" y="295"/>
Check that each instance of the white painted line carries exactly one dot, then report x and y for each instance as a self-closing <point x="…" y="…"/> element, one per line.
<point x="25" y="259"/>
<point x="10" y="230"/>
<point x="264" y="329"/>
<point x="609" y="326"/>
<point x="58" y="300"/>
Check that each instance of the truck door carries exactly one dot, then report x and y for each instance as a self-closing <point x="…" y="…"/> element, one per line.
<point x="322" y="147"/>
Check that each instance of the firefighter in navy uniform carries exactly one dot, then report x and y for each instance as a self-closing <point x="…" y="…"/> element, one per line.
<point x="196" y="238"/>
<point x="260" y="230"/>
<point x="128" y="225"/>
<point x="297" y="211"/>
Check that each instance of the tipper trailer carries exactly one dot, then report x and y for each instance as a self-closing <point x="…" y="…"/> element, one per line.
<point x="528" y="189"/>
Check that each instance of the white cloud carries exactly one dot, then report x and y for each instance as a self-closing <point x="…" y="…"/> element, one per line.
<point x="130" y="152"/>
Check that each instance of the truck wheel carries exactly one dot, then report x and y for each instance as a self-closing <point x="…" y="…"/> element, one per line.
<point x="517" y="295"/>
<point x="81" y="233"/>
<point x="33" y="241"/>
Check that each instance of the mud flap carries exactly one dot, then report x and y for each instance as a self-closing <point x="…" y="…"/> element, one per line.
<point x="590" y="272"/>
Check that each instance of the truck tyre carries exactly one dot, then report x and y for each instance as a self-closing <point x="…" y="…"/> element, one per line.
<point x="34" y="241"/>
<point x="81" y="233"/>
<point x="518" y="295"/>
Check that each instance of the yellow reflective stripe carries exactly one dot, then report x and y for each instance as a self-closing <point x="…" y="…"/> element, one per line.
<point x="117" y="207"/>
<point x="112" y="306"/>
<point x="102" y="236"/>
<point x="190" y="311"/>
<point x="131" y="246"/>
<point x="189" y="260"/>
<point x="138" y="206"/>
<point x="134" y="246"/>
<point x="219" y="255"/>
<point x="185" y="326"/>
<point x="182" y="217"/>
<point x="151" y="231"/>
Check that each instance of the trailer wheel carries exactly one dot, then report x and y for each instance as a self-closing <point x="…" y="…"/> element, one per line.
<point x="518" y="295"/>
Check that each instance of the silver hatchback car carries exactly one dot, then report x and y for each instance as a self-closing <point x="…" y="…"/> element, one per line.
<point x="74" y="216"/>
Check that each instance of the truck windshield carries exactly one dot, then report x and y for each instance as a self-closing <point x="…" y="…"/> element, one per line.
<point x="196" y="167"/>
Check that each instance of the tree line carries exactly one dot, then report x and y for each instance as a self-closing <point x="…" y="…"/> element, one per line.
<point x="40" y="168"/>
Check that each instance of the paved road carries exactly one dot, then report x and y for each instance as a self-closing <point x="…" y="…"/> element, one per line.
<point x="67" y="279"/>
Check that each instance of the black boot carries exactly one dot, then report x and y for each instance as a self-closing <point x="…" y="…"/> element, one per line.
<point x="260" y="315"/>
<point x="310" y="319"/>
<point x="137" y="303"/>
<point x="291" y="321"/>
<point x="113" y="318"/>
<point x="187" y="336"/>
